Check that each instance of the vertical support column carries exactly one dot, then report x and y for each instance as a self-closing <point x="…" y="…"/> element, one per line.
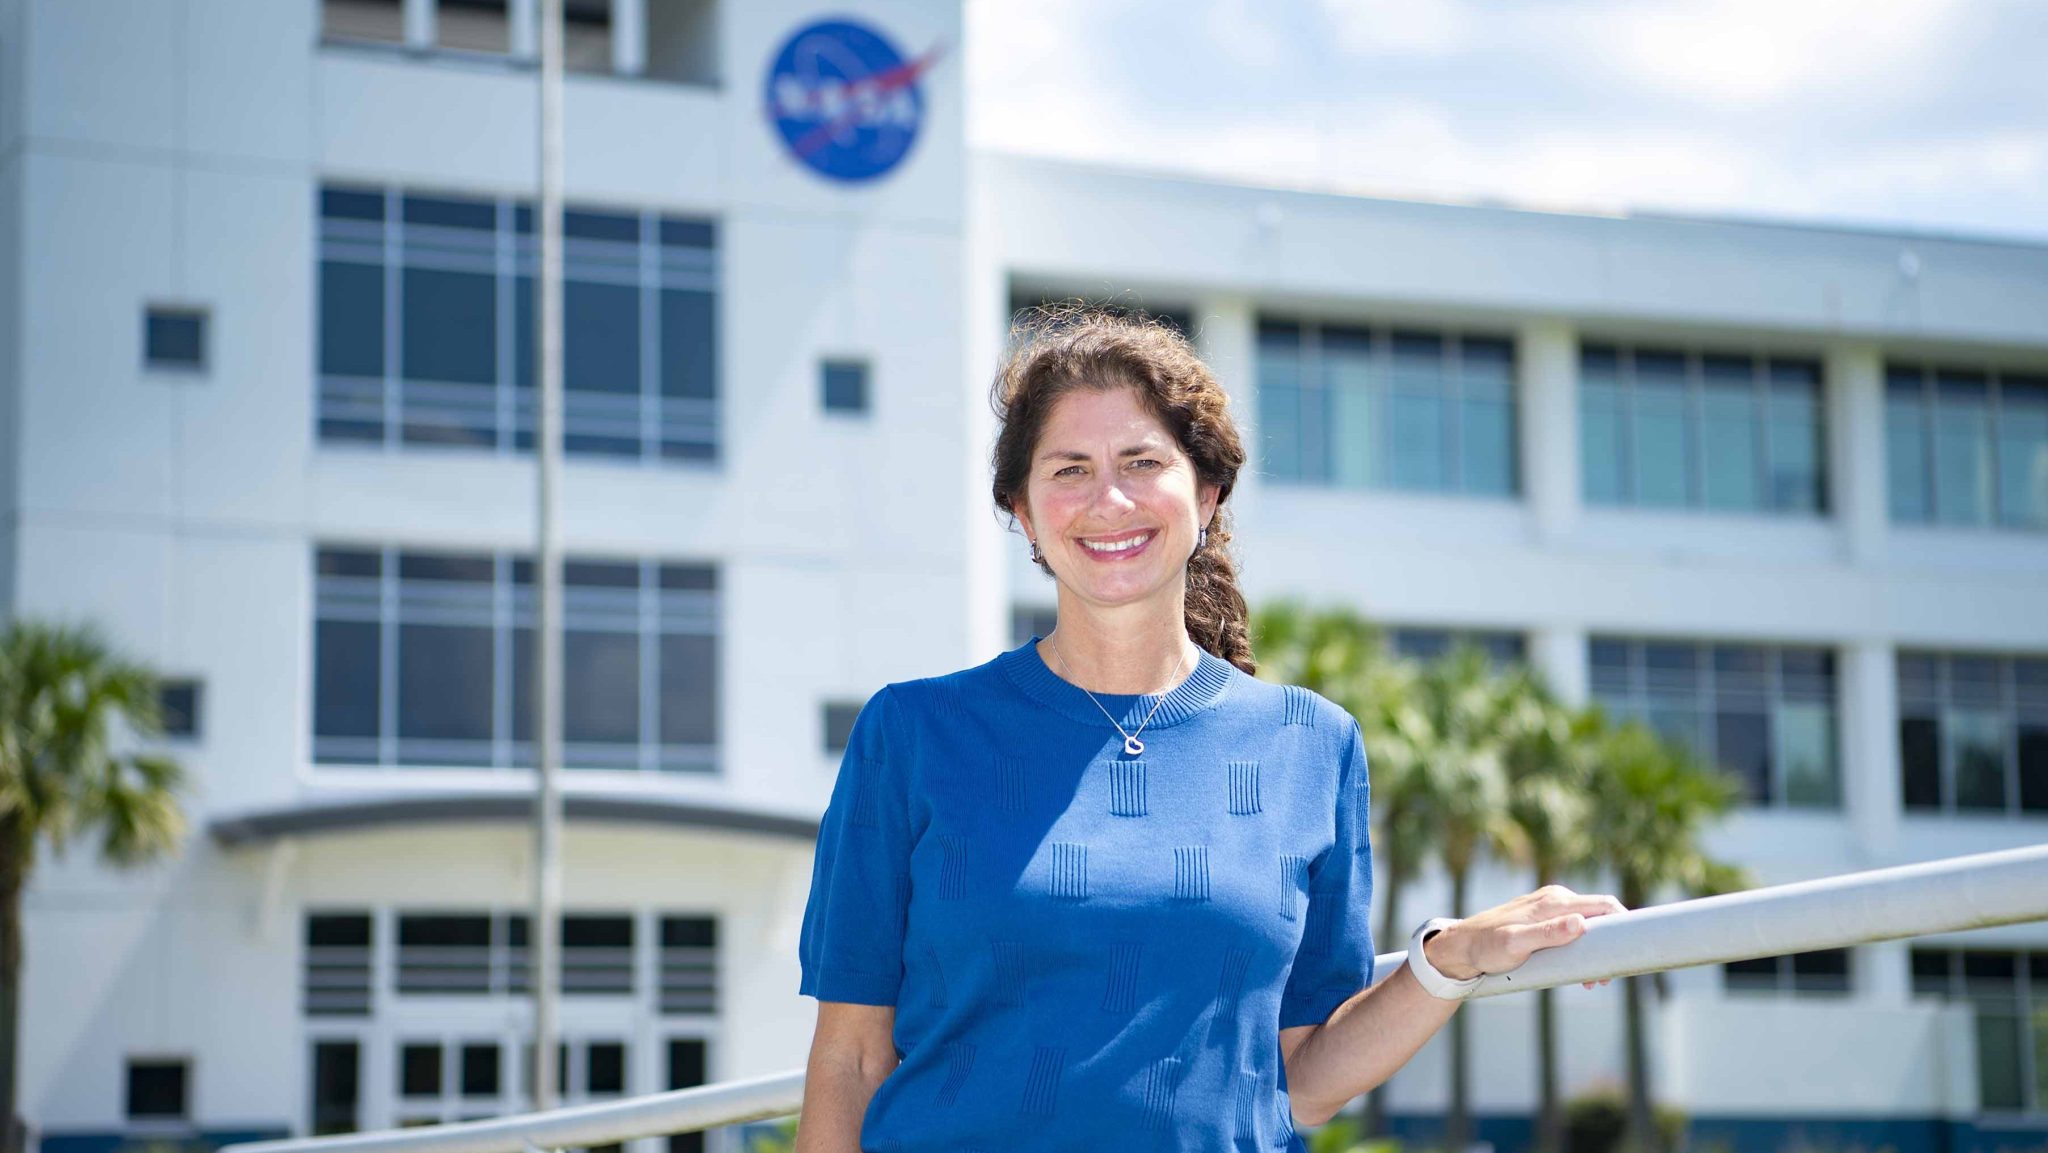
<point x="1855" y="440"/>
<point x="1870" y="748"/>
<point x="1558" y="652"/>
<point x="419" y="23"/>
<point x="1883" y="973"/>
<point x="1226" y="334"/>
<point x="1547" y="363"/>
<point x="985" y="322"/>
<point x="524" y="33"/>
<point x="629" y="37"/>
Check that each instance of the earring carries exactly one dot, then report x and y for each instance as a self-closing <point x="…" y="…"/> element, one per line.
<point x="1036" y="556"/>
<point x="1201" y="539"/>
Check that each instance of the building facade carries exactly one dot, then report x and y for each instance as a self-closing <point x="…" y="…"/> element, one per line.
<point x="266" y="271"/>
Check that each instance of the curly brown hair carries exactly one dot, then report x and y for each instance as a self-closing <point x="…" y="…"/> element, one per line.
<point x="1061" y="348"/>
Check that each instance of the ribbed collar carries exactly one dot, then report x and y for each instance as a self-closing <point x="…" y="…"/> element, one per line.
<point x="1201" y="691"/>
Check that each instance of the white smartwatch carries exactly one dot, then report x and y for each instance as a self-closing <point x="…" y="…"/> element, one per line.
<point x="1433" y="982"/>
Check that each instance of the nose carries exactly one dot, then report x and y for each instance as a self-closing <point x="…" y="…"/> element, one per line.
<point x="1111" y="502"/>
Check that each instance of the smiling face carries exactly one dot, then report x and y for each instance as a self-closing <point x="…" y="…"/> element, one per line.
<point x="1112" y="500"/>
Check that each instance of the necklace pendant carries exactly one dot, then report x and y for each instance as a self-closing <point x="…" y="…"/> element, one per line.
<point x="1134" y="746"/>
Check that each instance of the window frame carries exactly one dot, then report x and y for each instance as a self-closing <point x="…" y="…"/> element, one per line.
<point x="672" y="599"/>
<point x="1380" y="393"/>
<point x="1696" y="417"/>
<point x="1930" y="373"/>
<point x="1707" y="700"/>
<point x="199" y="315"/>
<point x="1785" y="978"/>
<point x="862" y="372"/>
<point x="2013" y="711"/>
<point x="184" y="1066"/>
<point x="400" y="231"/>
<point x="2027" y="990"/>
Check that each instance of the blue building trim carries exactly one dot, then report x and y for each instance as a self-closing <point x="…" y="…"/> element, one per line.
<point x="116" y="1141"/>
<point x="1516" y="1133"/>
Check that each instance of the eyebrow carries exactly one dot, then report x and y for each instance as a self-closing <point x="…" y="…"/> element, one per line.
<point x="1076" y="454"/>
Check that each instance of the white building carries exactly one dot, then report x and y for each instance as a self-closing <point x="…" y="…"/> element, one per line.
<point x="1782" y="490"/>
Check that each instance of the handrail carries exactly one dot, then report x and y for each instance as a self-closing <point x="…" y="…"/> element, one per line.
<point x="1951" y="895"/>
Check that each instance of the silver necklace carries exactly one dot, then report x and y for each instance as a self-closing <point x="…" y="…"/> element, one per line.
<point x="1132" y="745"/>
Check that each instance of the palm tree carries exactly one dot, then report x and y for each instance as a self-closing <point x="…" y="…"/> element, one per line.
<point x="1550" y="752"/>
<point x="1652" y="801"/>
<point x="1343" y="656"/>
<point x="1454" y="735"/>
<point x="62" y="693"/>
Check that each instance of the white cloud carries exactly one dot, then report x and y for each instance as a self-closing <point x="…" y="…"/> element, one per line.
<point x="1745" y="53"/>
<point x="1800" y="113"/>
<point x="1399" y="27"/>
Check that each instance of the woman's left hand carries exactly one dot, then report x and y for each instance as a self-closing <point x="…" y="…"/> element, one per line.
<point x="1501" y="938"/>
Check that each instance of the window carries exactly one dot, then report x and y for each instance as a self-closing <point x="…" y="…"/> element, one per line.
<point x="839" y="718"/>
<point x="477" y="953"/>
<point x="426" y="659"/>
<point x="1357" y="406"/>
<point x="1966" y="446"/>
<point x="1667" y="428"/>
<point x="1973" y="733"/>
<point x="364" y="21"/>
<point x="337" y="1087"/>
<point x="426" y="327"/>
<point x="1027" y="622"/>
<point x="157" y="1090"/>
<point x="443" y="955"/>
<point x="843" y="386"/>
<point x="337" y="965"/>
<point x="688" y="1067"/>
<point x="586" y="35"/>
<point x="597" y="954"/>
<point x="177" y="701"/>
<point x="1823" y="971"/>
<point x="174" y="338"/>
<point x="1423" y="644"/>
<point x="473" y="26"/>
<point x="1999" y="986"/>
<point x="1764" y="714"/>
<point x="689" y="965"/>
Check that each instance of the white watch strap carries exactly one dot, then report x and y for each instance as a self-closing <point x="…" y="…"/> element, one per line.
<point x="1433" y="982"/>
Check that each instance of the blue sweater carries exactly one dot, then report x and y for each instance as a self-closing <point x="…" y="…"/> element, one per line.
<point x="1085" y="949"/>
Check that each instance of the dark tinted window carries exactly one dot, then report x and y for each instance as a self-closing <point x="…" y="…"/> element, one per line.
<point x="843" y="386"/>
<point x="419" y="1070"/>
<point x="156" y="1089"/>
<point x="174" y="338"/>
<point x="337" y="1087"/>
<point x="839" y="718"/>
<point x="178" y="702"/>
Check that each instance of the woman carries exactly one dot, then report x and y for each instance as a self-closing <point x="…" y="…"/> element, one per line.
<point x="1108" y="890"/>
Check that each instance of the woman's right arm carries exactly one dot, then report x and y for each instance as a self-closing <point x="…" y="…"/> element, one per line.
<point x="852" y="1050"/>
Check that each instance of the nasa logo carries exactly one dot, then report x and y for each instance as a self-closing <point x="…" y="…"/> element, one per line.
<point x="845" y="101"/>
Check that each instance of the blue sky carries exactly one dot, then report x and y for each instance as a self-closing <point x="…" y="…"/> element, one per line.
<point x="1919" y="114"/>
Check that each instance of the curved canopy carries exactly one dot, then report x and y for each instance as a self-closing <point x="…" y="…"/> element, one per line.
<point x="386" y="811"/>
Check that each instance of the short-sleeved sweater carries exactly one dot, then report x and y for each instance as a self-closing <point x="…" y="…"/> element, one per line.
<point x="1087" y="949"/>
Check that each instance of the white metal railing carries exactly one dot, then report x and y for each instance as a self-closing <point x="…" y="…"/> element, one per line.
<point x="1944" y="896"/>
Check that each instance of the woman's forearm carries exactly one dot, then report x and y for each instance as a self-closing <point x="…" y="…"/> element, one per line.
<point x="836" y="1097"/>
<point x="1365" y="1040"/>
<point x="1377" y="1031"/>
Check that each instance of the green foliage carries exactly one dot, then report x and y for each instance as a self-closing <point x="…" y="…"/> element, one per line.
<point x="64" y="696"/>
<point x="1652" y="802"/>
<point x="775" y="1137"/>
<point x="1597" y="1122"/>
<point x="63" y="692"/>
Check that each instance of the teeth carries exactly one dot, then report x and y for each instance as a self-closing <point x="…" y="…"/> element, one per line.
<point x="1119" y="546"/>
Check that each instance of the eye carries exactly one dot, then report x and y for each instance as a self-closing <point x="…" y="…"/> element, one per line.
<point x="1146" y="464"/>
<point x="1072" y="468"/>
